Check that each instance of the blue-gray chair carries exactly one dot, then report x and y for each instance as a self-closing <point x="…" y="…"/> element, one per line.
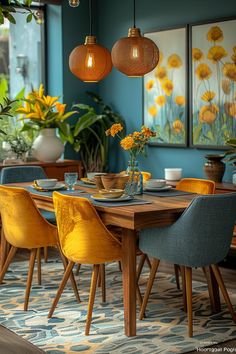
<point x="201" y="237"/>
<point x="17" y="174"/>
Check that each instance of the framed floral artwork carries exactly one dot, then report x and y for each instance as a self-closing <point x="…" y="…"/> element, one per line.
<point x="213" y="83"/>
<point x="165" y="89"/>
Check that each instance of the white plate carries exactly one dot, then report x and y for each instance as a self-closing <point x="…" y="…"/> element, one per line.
<point x="157" y="189"/>
<point x="99" y="198"/>
<point x="56" y="187"/>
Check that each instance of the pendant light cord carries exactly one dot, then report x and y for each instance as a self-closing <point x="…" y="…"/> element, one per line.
<point x="134" y="15"/>
<point x="90" y="17"/>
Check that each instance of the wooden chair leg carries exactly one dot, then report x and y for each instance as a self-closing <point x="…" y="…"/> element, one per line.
<point x="176" y="268"/>
<point x="61" y="287"/>
<point x="223" y="289"/>
<point x="45" y="254"/>
<point x="148" y="262"/>
<point x="142" y="259"/>
<point x="91" y="297"/>
<point x="99" y="278"/>
<point x="78" y="269"/>
<point x="103" y="281"/>
<point x="213" y="290"/>
<point x="154" y="268"/>
<point x="182" y="269"/>
<point x="39" y="266"/>
<point x="30" y="276"/>
<point x="10" y="256"/>
<point x="72" y="279"/>
<point x="188" y="278"/>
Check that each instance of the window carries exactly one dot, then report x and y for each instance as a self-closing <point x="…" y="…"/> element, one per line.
<point x="22" y="54"/>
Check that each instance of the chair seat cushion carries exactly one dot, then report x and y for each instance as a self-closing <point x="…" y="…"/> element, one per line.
<point x="49" y="216"/>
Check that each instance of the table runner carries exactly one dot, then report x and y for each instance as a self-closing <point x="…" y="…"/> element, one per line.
<point x="80" y="193"/>
<point x="82" y="184"/>
<point x="49" y="193"/>
<point x="170" y="193"/>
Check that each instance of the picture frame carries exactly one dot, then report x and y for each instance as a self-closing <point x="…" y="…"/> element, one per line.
<point x="212" y="57"/>
<point x="165" y="89"/>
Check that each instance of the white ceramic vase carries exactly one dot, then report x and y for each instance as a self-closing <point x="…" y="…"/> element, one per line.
<point x="47" y="147"/>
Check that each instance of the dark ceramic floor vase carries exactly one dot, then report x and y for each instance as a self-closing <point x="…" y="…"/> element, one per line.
<point x="214" y="168"/>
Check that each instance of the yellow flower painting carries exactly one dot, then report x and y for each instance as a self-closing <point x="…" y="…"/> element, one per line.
<point x="213" y="65"/>
<point x="165" y="89"/>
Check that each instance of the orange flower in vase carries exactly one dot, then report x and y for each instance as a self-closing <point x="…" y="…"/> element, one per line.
<point x="135" y="144"/>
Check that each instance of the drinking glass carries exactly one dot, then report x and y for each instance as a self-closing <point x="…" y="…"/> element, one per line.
<point x="70" y="180"/>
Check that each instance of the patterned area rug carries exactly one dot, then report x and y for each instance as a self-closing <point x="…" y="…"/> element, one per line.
<point x="163" y="331"/>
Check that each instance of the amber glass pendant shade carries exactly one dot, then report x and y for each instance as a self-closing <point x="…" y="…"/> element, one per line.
<point x="135" y="55"/>
<point x="90" y="62"/>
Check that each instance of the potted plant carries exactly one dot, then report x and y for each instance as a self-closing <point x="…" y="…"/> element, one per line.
<point x="44" y="114"/>
<point x="87" y="135"/>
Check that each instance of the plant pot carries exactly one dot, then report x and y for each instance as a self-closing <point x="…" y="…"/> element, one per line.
<point x="214" y="168"/>
<point x="47" y="147"/>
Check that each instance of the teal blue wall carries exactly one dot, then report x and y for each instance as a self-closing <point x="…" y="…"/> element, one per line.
<point x="125" y="94"/>
<point x="67" y="28"/>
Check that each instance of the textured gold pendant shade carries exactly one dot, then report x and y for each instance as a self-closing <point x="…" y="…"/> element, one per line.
<point x="135" y="55"/>
<point x="90" y="62"/>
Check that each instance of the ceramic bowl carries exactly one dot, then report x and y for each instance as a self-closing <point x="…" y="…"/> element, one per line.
<point x="98" y="181"/>
<point x="90" y="175"/>
<point x="47" y="183"/>
<point x="114" y="181"/>
<point x="173" y="174"/>
<point x="111" y="193"/>
<point x="155" y="183"/>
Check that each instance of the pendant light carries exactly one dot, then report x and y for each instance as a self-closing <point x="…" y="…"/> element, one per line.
<point x="90" y="62"/>
<point x="135" y="55"/>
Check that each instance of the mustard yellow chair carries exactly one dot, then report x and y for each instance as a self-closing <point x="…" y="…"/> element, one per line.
<point x="146" y="175"/>
<point x="24" y="227"/>
<point x="83" y="239"/>
<point x="198" y="186"/>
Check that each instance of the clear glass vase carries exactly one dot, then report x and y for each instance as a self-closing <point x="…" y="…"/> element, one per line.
<point x="135" y="183"/>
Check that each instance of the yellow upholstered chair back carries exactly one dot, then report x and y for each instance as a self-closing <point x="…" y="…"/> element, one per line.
<point x="83" y="236"/>
<point x="146" y="175"/>
<point x="23" y="225"/>
<point x="196" y="185"/>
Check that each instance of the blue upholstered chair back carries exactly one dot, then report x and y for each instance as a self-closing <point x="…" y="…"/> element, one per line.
<point x="15" y="174"/>
<point x="201" y="236"/>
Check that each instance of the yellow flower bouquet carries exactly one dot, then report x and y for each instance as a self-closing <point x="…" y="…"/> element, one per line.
<point x="43" y="111"/>
<point x="135" y="144"/>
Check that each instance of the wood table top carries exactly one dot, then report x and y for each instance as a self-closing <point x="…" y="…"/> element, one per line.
<point x="160" y="212"/>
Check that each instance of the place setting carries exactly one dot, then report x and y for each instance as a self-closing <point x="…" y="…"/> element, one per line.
<point x="160" y="188"/>
<point x="49" y="185"/>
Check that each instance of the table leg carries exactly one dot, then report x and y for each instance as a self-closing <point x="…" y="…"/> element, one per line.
<point x="129" y="280"/>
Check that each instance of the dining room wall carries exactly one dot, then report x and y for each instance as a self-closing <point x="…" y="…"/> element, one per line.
<point x="67" y="28"/>
<point x="125" y="94"/>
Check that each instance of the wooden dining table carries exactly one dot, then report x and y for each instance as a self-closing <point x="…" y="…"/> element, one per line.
<point x="162" y="211"/>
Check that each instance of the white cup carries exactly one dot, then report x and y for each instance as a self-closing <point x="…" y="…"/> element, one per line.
<point x="155" y="183"/>
<point x="173" y="174"/>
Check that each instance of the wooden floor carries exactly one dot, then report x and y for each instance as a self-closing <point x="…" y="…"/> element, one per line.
<point x="228" y="271"/>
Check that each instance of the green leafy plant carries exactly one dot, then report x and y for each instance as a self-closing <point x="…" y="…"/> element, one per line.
<point x="230" y="155"/>
<point x="18" y="143"/>
<point x="88" y="136"/>
<point x="9" y="7"/>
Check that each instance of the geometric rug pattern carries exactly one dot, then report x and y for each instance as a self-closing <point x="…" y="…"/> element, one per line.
<point x="164" y="330"/>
